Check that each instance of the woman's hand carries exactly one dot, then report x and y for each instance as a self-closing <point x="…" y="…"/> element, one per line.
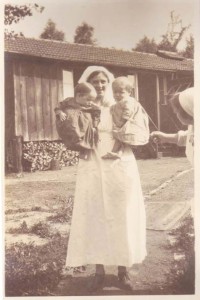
<point x="94" y="105"/>
<point x="158" y="137"/>
<point x="161" y="137"/>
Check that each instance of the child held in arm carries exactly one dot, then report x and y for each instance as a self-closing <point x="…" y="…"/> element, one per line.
<point x="130" y="121"/>
<point x="77" y="119"/>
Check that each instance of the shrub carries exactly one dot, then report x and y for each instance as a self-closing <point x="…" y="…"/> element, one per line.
<point x="34" y="270"/>
<point x="41" y="229"/>
<point x="64" y="214"/>
<point x="183" y="271"/>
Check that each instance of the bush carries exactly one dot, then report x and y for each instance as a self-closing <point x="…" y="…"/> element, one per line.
<point x="64" y="214"/>
<point x="34" y="270"/>
<point x="183" y="270"/>
<point x="41" y="229"/>
<point x="38" y="155"/>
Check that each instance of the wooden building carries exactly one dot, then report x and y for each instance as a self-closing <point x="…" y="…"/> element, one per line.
<point x="40" y="73"/>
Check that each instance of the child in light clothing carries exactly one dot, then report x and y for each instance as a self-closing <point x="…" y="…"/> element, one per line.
<point x="126" y="108"/>
<point x="78" y="118"/>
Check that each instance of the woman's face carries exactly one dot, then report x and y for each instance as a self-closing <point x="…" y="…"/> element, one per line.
<point x="100" y="83"/>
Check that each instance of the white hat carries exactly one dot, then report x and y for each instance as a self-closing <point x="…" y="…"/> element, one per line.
<point x="108" y="98"/>
<point x="186" y="99"/>
<point x="91" y="69"/>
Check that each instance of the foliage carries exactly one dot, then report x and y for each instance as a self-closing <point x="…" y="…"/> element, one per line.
<point x="183" y="270"/>
<point x="11" y="34"/>
<point x="84" y="34"/>
<point x="64" y="214"/>
<point x="146" y="45"/>
<point x="51" y="33"/>
<point x="15" y="13"/>
<point x="14" y="211"/>
<point x="38" y="155"/>
<point x="165" y="44"/>
<point x="169" y="40"/>
<point x="34" y="270"/>
<point x="41" y="229"/>
<point x="189" y="50"/>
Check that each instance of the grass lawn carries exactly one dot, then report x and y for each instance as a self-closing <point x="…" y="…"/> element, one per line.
<point x="38" y="208"/>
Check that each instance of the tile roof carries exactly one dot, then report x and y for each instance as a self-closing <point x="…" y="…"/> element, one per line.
<point x="95" y="55"/>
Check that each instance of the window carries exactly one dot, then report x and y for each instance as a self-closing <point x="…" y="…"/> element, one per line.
<point x="68" y="84"/>
<point x="133" y="79"/>
<point x="163" y="90"/>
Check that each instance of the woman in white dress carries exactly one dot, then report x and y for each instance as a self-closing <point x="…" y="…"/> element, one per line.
<point x="108" y="223"/>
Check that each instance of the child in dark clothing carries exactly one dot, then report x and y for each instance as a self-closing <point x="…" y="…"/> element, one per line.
<point x="77" y="120"/>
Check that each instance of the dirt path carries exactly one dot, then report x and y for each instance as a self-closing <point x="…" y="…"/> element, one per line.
<point x="151" y="277"/>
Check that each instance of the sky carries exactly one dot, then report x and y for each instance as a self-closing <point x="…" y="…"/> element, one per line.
<point x="117" y="23"/>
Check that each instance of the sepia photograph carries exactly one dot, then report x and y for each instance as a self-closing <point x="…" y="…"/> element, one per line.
<point x="99" y="159"/>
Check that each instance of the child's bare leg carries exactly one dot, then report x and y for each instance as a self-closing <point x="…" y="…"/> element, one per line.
<point x="117" y="147"/>
<point x="83" y="154"/>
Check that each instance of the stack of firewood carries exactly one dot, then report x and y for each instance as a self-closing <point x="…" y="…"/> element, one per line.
<point x="38" y="155"/>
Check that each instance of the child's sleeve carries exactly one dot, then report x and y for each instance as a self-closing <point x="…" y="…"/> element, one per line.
<point x="61" y="105"/>
<point x="96" y="113"/>
<point x="128" y="109"/>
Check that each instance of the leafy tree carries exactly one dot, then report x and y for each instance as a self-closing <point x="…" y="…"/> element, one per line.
<point x="170" y="39"/>
<point x="166" y="44"/>
<point x="189" y="50"/>
<point x="146" y="45"/>
<point x="15" y="13"/>
<point x="174" y="34"/>
<point x="51" y="33"/>
<point x="84" y="34"/>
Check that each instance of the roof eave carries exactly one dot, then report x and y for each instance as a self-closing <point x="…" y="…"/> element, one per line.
<point x="136" y="67"/>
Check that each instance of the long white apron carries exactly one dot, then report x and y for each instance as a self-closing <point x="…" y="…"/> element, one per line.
<point x="108" y="223"/>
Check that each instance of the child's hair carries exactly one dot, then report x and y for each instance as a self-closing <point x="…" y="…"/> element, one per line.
<point x="84" y="88"/>
<point x="124" y="82"/>
<point x="175" y="103"/>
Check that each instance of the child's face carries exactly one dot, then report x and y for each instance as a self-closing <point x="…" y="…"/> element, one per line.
<point x="120" y="92"/>
<point x="86" y="99"/>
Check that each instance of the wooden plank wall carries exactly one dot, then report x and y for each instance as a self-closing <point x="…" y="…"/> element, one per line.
<point x="37" y="91"/>
<point x="9" y="104"/>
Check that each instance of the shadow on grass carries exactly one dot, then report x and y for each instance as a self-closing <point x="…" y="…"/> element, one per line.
<point x="78" y="286"/>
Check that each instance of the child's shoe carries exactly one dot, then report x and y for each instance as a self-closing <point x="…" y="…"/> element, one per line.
<point x="84" y="154"/>
<point x="111" y="155"/>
